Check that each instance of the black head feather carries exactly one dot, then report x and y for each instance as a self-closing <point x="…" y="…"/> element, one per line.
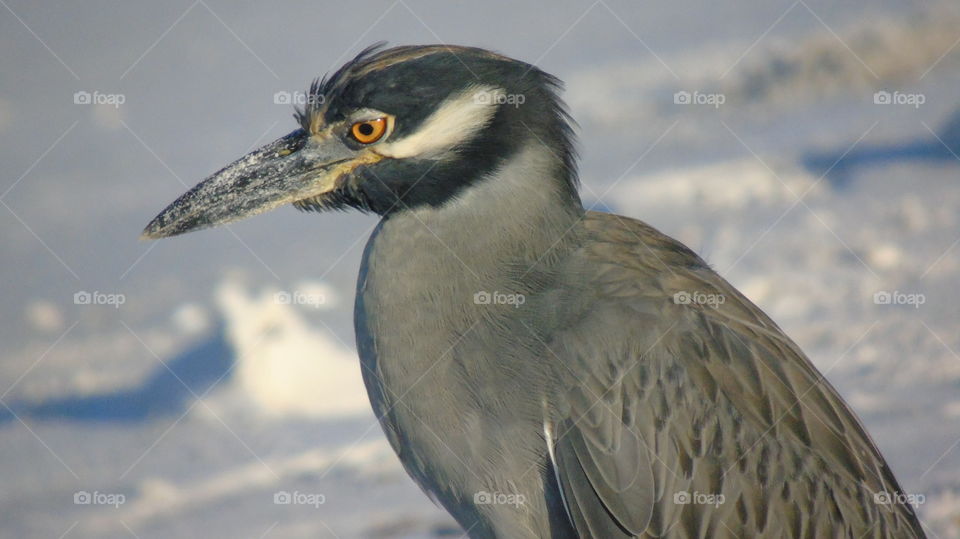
<point x="410" y="82"/>
<point x="323" y="87"/>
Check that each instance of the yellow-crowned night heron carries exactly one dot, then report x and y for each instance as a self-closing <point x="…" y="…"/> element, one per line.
<point x="542" y="370"/>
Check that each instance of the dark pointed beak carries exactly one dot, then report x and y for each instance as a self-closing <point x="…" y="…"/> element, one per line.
<point x="295" y="167"/>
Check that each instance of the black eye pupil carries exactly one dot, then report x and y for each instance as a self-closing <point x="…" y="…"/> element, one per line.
<point x="365" y="129"/>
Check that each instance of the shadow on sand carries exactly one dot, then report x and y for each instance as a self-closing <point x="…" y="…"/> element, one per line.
<point x="840" y="168"/>
<point x="167" y="391"/>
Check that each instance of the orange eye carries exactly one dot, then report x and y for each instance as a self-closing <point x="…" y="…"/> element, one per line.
<point x="369" y="131"/>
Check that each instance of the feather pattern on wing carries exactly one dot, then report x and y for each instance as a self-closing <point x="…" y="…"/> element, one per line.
<point x="695" y="418"/>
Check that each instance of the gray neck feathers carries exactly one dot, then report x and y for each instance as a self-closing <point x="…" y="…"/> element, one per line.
<point x="422" y="270"/>
<point x="520" y="215"/>
<point x="509" y="234"/>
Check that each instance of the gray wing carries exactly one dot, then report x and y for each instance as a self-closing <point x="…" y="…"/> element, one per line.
<point x="700" y="420"/>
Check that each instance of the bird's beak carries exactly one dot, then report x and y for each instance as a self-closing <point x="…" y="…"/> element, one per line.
<point x="295" y="167"/>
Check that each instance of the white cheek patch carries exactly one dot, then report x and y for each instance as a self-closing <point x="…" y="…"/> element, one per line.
<point x="458" y="118"/>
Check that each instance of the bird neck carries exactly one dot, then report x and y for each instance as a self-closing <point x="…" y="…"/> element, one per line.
<point x="431" y="274"/>
<point x="522" y="214"/>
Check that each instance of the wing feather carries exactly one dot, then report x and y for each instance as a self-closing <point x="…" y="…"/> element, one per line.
<point x="665" y="401"/>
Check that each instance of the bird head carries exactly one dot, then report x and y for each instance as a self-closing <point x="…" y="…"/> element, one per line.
<point x="390" y="131"/>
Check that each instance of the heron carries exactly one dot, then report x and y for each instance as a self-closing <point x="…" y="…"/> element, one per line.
<point x="542" y="370"/>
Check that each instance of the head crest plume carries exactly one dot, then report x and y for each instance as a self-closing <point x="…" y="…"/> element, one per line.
<point x="322" y="88"/>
